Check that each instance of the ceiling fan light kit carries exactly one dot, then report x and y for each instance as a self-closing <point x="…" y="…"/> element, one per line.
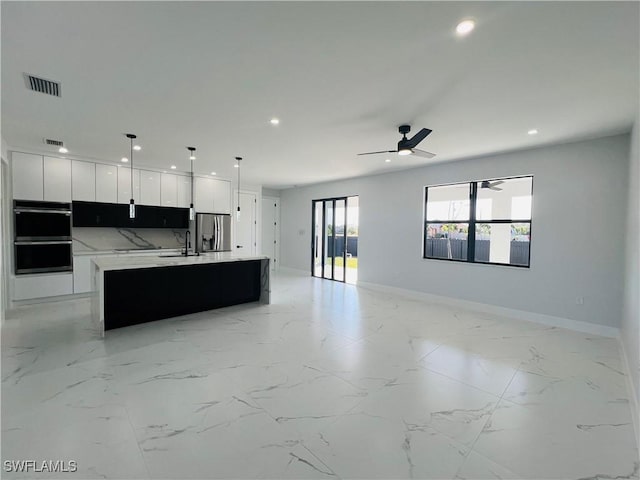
<point x="407" y="146"/>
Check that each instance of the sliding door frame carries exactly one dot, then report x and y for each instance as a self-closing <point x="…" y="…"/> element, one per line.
<point x="314" y="246"/>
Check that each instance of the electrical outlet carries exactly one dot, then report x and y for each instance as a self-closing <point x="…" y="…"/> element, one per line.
<point x="579" y="300"/>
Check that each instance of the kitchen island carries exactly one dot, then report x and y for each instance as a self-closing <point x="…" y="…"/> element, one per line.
<point x="137" y="289"/>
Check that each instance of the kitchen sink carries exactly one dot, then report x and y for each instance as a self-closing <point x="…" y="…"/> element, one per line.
<point x="176" y="255"/>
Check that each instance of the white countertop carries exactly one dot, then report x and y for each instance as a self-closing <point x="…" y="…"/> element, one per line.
<point x="125" y="262"/>
<point x="133" y="251"/>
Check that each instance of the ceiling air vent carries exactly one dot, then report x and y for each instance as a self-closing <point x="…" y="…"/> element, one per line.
<point x="42" y="85"/>
<point x="56" y="143"/>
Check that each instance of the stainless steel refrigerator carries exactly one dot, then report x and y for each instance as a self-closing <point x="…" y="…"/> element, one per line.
<point x="213" y="232"/>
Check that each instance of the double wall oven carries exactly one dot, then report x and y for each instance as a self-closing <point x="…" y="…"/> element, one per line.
<point x="42" y="240"/>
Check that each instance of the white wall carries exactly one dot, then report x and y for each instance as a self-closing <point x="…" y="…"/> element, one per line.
<point x="630" y="329"/>
<point x="5" y="150"/>
<point x="270" y="192"/>
<point x="578" y="226"/>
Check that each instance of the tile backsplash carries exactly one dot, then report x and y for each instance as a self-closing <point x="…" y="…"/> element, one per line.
<point x="87" y="239"/>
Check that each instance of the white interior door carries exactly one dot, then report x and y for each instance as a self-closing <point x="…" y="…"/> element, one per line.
<point x="246" y="224"/>
<point x="271" y="229"/>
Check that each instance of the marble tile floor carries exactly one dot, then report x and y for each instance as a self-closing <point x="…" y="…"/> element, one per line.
<point x="328" y="381"/>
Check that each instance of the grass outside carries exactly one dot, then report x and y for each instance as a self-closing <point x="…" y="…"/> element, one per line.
<point x="352" y="262"/>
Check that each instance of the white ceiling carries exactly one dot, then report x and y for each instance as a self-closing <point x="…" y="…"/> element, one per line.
<point x="340" y="76"/>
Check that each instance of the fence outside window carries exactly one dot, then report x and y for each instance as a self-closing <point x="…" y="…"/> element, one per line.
<point x="487" y="221"/>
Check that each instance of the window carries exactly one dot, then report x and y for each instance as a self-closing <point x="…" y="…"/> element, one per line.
<point x="483" y="222"/>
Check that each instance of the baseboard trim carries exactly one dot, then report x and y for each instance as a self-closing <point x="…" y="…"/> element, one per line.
<point x="58" y="298"/>
<point x="635" y="407"/>
<point x="550" y="320"/>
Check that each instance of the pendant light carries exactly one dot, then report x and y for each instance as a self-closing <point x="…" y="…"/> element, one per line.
<point x="238" y="159"/>
<point x="192" y="157"/>
<point x="132" y="205"/>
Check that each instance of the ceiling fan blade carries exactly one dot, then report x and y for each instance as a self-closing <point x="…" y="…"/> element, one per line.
<point x="375" y="153"/>
<point x="495" y="188"/>
<point x="497" y="182"/>
<point x="417" y="138"/>
<point x="422" y="153"/>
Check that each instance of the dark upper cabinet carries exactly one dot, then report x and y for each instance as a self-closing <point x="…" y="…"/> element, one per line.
<point x="96" y="214"/>
<point x="93" y="214"/>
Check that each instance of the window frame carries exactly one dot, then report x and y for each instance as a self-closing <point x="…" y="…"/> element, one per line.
<point x="473" y="221"/>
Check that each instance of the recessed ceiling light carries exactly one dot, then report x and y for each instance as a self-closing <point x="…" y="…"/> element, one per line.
<point x="533" y="131"/>
<point x="63" y="150"/>
<point x="137" y="148"/>
<point x="274" y="121"/>
<point x="124" y="159"/>
<point x="387" y="160"/>
<point x="465" y="27"/>
<point x="213" y="173"/>
<point x="173" y="167"/>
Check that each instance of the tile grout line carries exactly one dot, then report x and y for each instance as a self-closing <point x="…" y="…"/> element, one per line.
<point x="487" y="421"/>
<point x="469" y="384"/>
<point x="299" y="434"/>
<point x="135" y="437"/>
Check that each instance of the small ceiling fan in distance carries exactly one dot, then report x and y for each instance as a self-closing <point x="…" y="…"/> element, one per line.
<point x="407" y="146"/>
<point x="492" y="185"/>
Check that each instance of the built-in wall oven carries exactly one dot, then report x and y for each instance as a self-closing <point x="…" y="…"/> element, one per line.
<point x="42" y="240"/>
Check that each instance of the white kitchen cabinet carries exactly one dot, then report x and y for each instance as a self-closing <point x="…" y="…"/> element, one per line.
<point x="184" y="191"/>
<point x="26" y="287"/>
<point x="168" y="190"/>
<point x="106" y="183"/>
<point x="57" y="179"/>
<point x="203" y="193"/>
<point x="221" y="196"/>
<point x="82" y="273"/>
<point x="124" y="185"/>
<point x="149" y="188"/>
<point x="28" y="180"/>
<point x="83" y="181"/>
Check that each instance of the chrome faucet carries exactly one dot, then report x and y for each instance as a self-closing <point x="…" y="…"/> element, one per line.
<point x="187" y="243"/>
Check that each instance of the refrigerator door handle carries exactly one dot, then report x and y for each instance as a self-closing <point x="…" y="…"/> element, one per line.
<point x="216" y="233"/>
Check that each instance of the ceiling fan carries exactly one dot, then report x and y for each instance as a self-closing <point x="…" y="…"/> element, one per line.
<point x="407" y="146"/>
<point x="492" y="185"/>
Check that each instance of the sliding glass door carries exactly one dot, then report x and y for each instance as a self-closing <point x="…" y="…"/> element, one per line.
<point x="329" y="248"/>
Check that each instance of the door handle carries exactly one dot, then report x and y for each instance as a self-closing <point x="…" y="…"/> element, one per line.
<point x="238" y="246"/>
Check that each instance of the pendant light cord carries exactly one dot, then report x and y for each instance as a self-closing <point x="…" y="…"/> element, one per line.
<point x="238" y="159"/>
<point x="192" y="156"/>
<point x="131" y="156"/>
<point x="132" y="208"/>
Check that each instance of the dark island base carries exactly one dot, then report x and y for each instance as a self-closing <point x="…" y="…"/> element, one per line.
<point x="146" y="294"/>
